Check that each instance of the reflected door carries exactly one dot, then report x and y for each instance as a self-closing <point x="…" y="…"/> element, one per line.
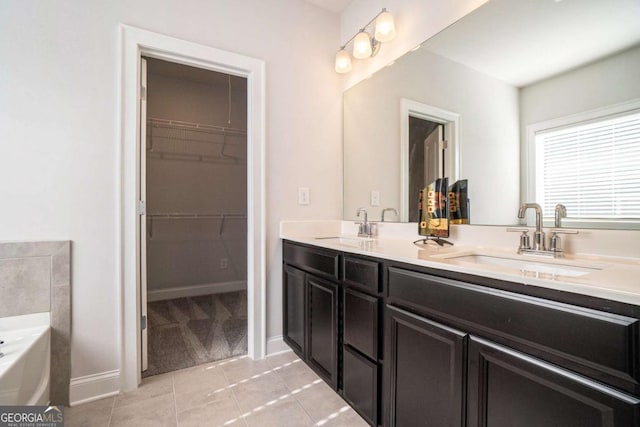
<point x="426" y="156"/>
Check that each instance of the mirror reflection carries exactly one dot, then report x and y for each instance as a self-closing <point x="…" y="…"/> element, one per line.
<point x="482" y="92"/>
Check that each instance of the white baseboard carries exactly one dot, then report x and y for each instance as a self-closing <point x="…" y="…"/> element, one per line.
<point x="196" y="290"/>
<point x="98" y="386"/>
<point x="276" y="345"/>
<point x="93" y="387"/>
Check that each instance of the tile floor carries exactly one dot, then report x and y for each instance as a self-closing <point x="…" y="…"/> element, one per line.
<point x="278" y="391"/>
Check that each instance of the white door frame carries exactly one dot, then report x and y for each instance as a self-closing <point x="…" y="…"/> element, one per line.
<point x="135" y="43"/>
<point x="450" y="120"/>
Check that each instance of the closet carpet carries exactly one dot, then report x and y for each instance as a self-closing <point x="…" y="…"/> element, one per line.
<point x="185" y="332"/>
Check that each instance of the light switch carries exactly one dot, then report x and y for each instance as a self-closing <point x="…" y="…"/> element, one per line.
<point x="303" y="195"/>
<point x="375" y="198"/>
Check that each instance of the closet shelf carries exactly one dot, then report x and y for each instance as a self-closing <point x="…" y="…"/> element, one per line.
<point x="186" y="141"/>
<point x="191" y="216"/>
<point x="201" y="158"/>
<point x="196" y="216"/>
<point x="194" y="127"/>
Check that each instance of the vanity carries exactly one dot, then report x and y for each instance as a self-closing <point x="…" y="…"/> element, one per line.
<point x="487" y="332"/>
<point x="407" y="338"/>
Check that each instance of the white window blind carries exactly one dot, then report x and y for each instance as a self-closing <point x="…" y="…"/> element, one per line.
<point x="592" y="168"/>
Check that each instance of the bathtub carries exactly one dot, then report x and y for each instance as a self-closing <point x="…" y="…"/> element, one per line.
<point x="25" y="366"/>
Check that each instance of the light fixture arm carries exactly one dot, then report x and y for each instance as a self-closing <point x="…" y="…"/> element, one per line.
<point x="366" y="42"/>
<point x="384" y="9"/>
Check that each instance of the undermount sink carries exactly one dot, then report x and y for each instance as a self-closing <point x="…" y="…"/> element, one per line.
<point x="354" y="242"/>
<point x="528" y="266"/>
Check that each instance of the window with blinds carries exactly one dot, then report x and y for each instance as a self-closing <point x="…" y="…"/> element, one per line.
<point x="592" y="168"/>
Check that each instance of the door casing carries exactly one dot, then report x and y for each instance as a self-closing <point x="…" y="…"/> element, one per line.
<point x="134" y="44"/>
<point x="451" y="157"/>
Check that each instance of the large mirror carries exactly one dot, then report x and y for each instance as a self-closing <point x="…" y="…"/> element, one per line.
<point x="480" y="86"/>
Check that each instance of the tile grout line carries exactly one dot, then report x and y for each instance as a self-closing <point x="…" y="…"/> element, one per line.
<point x="113" y="407"/>
<point x="295" y="396"/>
<point x="173" y="390"/>
<point x="233" y="395"/>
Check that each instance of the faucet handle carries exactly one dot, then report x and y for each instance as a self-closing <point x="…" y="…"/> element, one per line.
<point x="517" y="230"/>
<point x="564" y="231"/>
<point x="525" y="240"/>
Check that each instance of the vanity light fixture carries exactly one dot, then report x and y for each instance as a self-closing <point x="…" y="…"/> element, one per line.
<point x="365" y="46"/>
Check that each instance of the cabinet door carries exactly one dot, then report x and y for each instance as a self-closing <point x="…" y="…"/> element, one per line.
<point x="322" y="353"/>
<point x="360" y="384"/>
<point x="426" y="371"/>
<point x="507" y="388"/>
<point x="294" y="302"/>
<point x="361" y="322"/>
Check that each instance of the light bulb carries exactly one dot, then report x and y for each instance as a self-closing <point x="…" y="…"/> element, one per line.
<point x="362" y="45"/>
<point x="343" y="61"/>
<point x="385" y="27"/>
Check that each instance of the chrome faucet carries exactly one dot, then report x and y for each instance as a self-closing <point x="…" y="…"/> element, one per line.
<point x="539" y="242"/>
<point x="395" y="212"/>
<point x="555" y="244"/>
<point x="561" y="212"/>
<point x="538" y="237"/>
<point x="365" y="227"/>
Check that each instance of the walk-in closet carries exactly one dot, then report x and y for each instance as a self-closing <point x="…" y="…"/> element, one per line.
<point x="194" y="192"/>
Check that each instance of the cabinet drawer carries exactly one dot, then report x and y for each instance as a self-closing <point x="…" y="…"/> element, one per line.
<point x="360" y="383"/>
<point x="315" y="260"/>
<point x="361" y="322"/>
<point x="600" y="345"/>
<point x="361" y="273"/>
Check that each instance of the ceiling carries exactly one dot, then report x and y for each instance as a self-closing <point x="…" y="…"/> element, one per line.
<point x="336" y="6"/>
<point x="524" y="41"/>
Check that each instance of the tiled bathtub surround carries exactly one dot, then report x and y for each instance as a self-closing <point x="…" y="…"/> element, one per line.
<point x="36" y="277"/>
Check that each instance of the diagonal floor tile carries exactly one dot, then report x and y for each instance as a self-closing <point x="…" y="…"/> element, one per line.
<point x="255" y="393"/>
<point x="151" y="387"/>
<point x="158" y="411"/>
<point x="92" y="414"/>
<point x="220" y="412"/>
<point x="284" y="413"/>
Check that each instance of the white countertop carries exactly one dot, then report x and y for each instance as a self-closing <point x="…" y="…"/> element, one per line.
<point x="614" y="278"/>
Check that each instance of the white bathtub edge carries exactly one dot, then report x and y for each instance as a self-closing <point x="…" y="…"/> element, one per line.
<point x="25" y="321"/>
<point x="94" y="387"/>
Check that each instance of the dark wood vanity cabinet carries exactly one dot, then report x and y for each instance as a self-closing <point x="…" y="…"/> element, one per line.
<point x="311" y="305"/>
<point x="426" y="371"/>
<point x="294" y="290"/>
<point x="406" y="345"/>
<point x="464" y="354"/>
<point x="362" y="335"/>
<point x="507" y="388"/>
<point x="323" y="344"/>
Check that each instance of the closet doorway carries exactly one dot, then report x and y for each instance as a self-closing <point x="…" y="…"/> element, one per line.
<point x="194" y="227"/>
<point x="428" y="150"/>
<point x="426" y="158"/>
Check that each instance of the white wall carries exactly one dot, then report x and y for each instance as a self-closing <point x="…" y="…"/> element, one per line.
<point x="606" y="82"/>
<point x="416" y="21"/>
<point x="59" y="113"/>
